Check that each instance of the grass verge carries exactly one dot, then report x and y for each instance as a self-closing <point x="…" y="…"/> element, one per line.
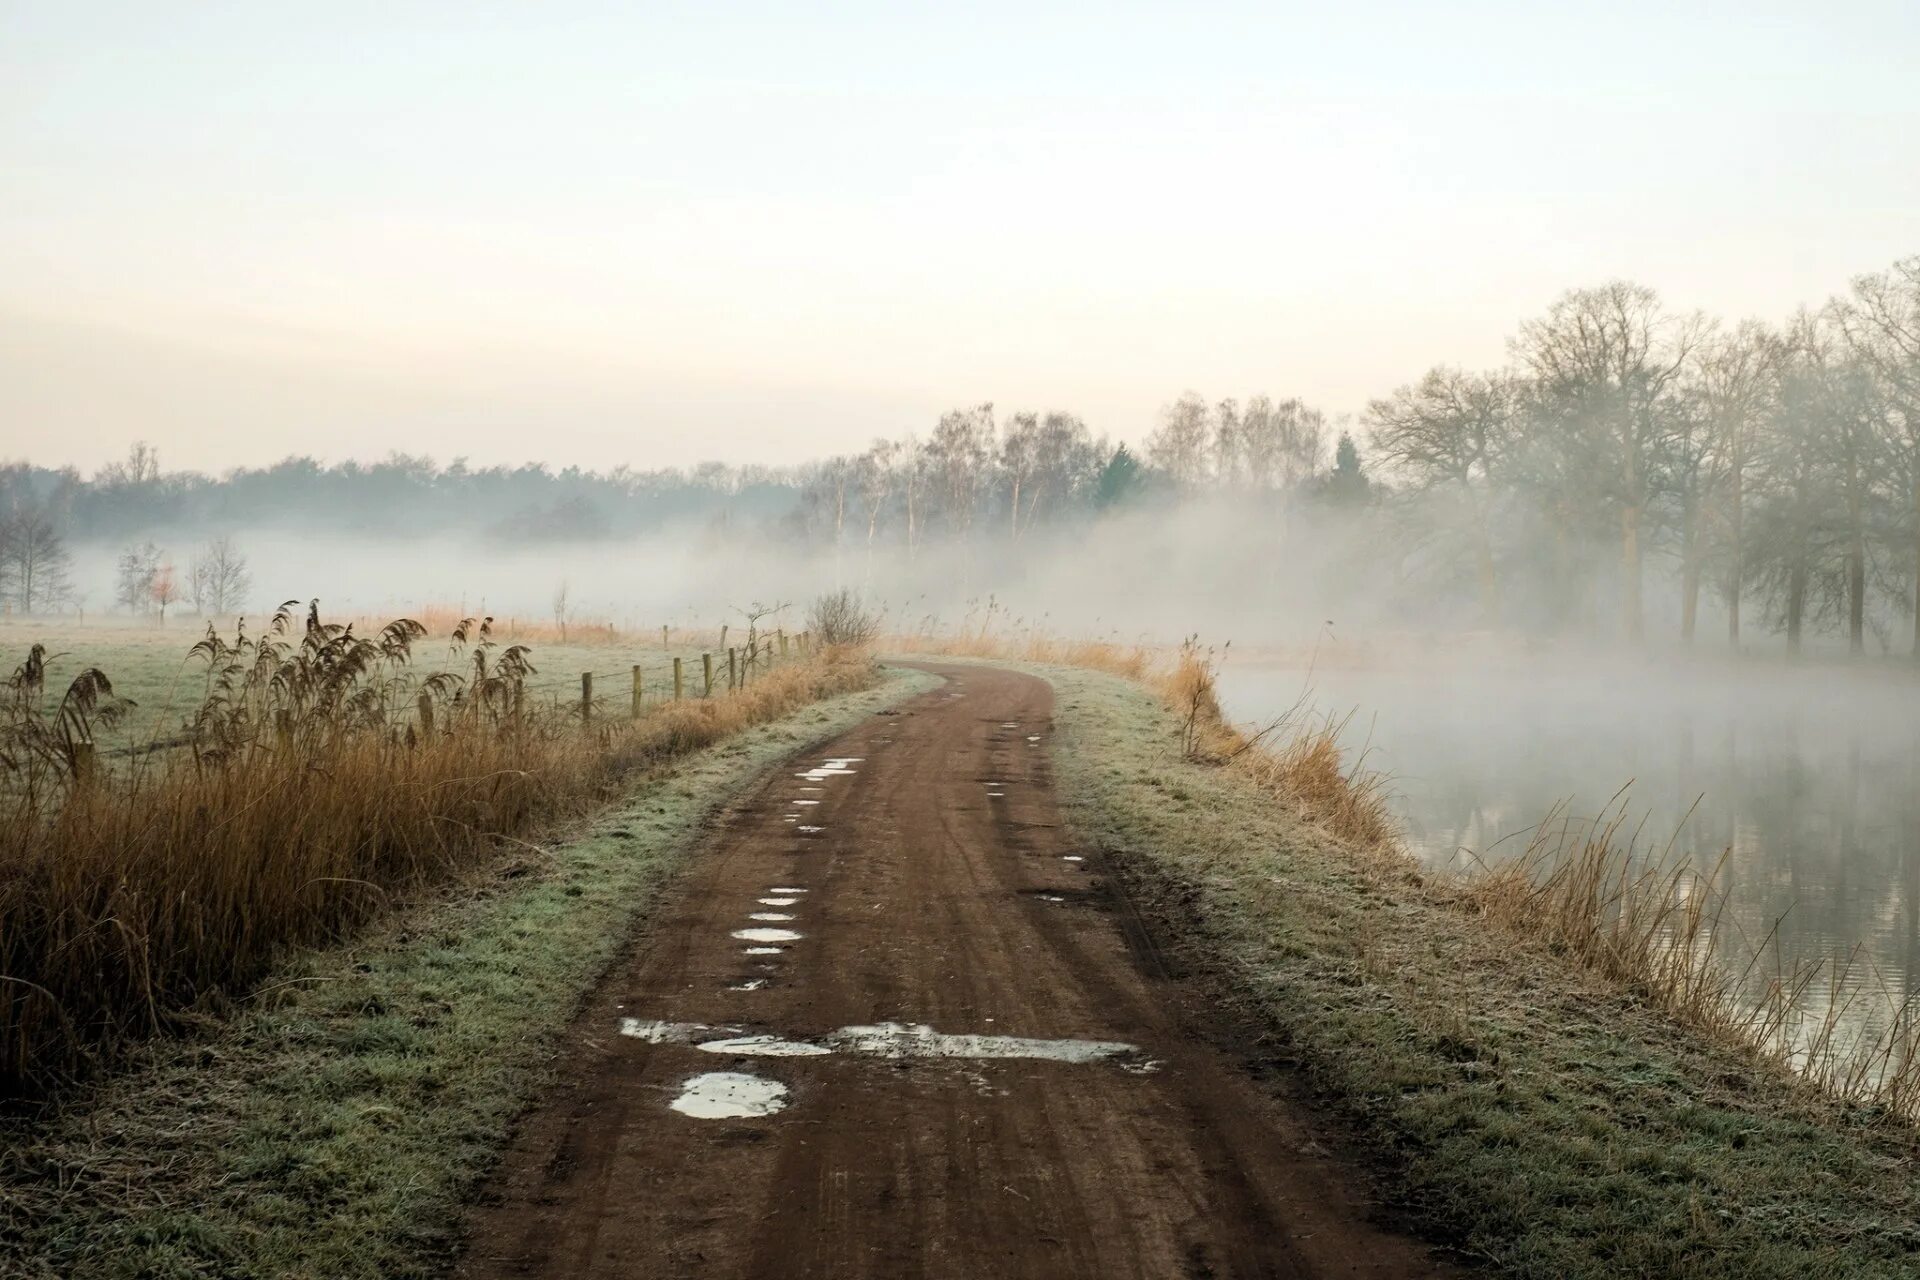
<point x="1538" y="1117"/>
<point x="333" y="1125"/>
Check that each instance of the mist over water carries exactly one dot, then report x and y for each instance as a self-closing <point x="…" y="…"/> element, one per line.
<point x="1808" y="778"/>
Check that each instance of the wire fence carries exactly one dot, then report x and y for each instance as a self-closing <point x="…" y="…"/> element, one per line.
<point x="707" y="679"/>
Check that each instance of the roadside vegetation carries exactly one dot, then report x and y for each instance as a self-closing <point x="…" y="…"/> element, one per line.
<point x="1547" y="1060"/>
<point x="336" y="1122"/>
<point x="319" y="773"/>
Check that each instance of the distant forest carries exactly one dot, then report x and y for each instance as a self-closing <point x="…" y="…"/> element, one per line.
<point x="1768" y="473"/>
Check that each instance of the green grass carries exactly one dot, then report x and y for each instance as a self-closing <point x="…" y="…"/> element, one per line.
<point x="1538" y="1120"/>
<point x="335" y="1127"/>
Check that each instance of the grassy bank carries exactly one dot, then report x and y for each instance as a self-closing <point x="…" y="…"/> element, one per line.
<point x="333" y="1124"/>
<point x="1533" y="1113"/>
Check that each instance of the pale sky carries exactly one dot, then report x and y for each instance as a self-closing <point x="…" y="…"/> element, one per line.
<point x="656" y="233"/>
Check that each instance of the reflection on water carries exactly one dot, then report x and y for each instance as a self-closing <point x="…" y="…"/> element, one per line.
<point x="1810" y="777"/>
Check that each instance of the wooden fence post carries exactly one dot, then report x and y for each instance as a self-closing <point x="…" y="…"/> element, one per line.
<point x="586" y="698"/>
<point x="733" y="671"/>
<point x="636" y="691"/>
<point x="676" y="679"/>
<point x="663" y="636"/>
<point x="723" y="635"/>
<point x="706" y="668"/>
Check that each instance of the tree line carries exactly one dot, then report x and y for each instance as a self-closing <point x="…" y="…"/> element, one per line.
<point x="1624" y="452"/>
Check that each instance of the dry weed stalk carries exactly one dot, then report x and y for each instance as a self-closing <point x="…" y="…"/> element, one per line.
<point x="326" y="773"/>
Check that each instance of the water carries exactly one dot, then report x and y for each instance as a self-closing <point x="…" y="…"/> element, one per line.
<point x="1809" y="777"/>
<point x="729" y="1095"/>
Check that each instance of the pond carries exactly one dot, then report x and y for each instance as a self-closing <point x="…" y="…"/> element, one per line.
<point x="1807" y="778"/>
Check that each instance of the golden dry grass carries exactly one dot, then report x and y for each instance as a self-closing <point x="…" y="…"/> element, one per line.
<point x="325" y="775"/>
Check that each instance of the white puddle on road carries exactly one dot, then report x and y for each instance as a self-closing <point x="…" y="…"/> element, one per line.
<point x="748" y="984"/>
<point x="763" y="951"/>
<point x="763" y="1047"/>
<point x="806" y="802"/>
<point x="810" y="831"/>
<point x="893" y="1040"/>
<point x="766" y="935"/>
<point x="781" y="888"/>
<point x="1071" y="857"/>
<point x="729" y="1095"/>
<point x="771" y="917"/>
<point x="778" y="902"/>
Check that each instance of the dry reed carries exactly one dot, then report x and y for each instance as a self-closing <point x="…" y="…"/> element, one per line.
<point x="326" y="774"/>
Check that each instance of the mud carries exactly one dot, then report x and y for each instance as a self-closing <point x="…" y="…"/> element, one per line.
<point x="982" y="1149"/>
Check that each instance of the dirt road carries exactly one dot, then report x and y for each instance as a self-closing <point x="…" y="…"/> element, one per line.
<point x="964" y="1067"/>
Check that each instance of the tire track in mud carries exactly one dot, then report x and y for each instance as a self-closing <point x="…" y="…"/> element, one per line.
<point x="938" y="923"/>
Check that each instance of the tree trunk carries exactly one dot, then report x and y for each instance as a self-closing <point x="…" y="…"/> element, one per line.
<point x="1739" y="569"/>
<point x="1689" y="573"/>
<point x="1916" y="562"/>
<point x="1856" y="565"/>
<point x="1796" y="606"/>
<point x="1856" y="595"/>
<point x="1483" y="557"/>
<point x="1634" y="619"/>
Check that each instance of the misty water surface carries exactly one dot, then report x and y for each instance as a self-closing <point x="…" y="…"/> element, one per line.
<point x="1811" y="777"/>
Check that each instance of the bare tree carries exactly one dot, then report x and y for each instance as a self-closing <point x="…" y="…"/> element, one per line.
<point x="1452" y="430"/>
<point x="135" y="572"/>
<point x="1606" y="362"/>
<point x="957" y="458"/>
<point x="164" y="588"/>
<point x="1733" y="384"/>
<point x="1181" y="444"/>
<point x="1019" y="460"/>
<point x="1279" y="446"/>
<point x="219" y="578"/>
<point x="1880" y="322"/>
<point x="33" y="558"/>
<point x="876" y="473"/>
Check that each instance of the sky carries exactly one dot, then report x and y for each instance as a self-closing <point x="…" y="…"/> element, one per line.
<point x="655" y="233"/>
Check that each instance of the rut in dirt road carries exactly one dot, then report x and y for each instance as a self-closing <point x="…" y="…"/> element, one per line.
<point x="891" y="1027"/>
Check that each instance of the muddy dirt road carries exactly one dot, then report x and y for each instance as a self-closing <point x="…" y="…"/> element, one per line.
<point x="893" y="1027"/>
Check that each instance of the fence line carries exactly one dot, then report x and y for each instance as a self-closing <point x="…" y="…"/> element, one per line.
<point x="771" y="647"/>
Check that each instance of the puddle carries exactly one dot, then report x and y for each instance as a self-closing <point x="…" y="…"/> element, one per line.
<point x="763" y="951"/>
<point x="771" y="917"/>
<point x="1044" y="897"/>
<point x="781" y="888"/>
<point x="893" y="1040"/>
<point x="766" y="935"/>
<point x="1033" y="737"/>
<point x="777" y="902"/>
<point x="764" y="1047"/>
<point x="810" y="831"/>
<point x="1071" y="857"/>
<point x="748" y="984"/>
<point x="806" y="802"/>
<point x="729" y="1095"/>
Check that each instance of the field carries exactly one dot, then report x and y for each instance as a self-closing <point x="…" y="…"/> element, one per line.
<point x="151" y="665"/>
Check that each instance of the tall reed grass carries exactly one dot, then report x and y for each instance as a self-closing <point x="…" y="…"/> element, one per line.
<point x="324" y="773"/>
